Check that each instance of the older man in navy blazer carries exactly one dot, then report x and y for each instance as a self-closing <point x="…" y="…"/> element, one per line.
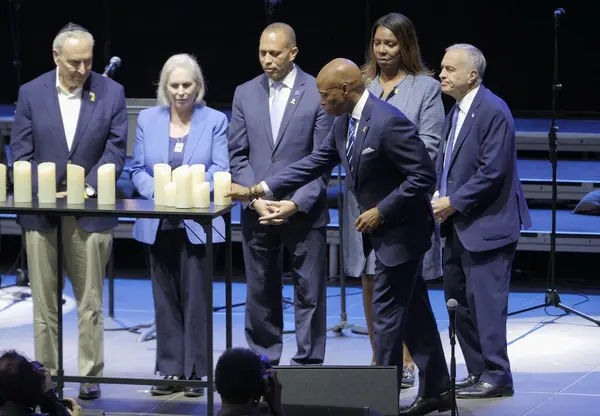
<point x="70" y="115"/>
<point x="482" y="208"/>
<point x="277" y="120"/>
<point x="390" y="173"/>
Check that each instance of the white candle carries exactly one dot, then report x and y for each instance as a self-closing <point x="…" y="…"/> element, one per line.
<point x="46" y="178"/>
<point x="75" y="184"/>
<point x="222" y="185"/>
<point x="170" y="194"/>
<point x="202" y="195"/>
<point x="198" y="173"/>
<point x="22" y="178"/>
<point x="162" y="176"/>
<point x="2" y="182"/>
<point x="106" y="184"/>
<point x="182" y="176"/>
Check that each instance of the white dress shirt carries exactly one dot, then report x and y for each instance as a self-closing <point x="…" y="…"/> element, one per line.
<point x="286" y="88"/>
<point x="70" y="105"/>
<point x="464" y="105"/>
<point x="358" y="109"/>
<point x="283" y="97"/>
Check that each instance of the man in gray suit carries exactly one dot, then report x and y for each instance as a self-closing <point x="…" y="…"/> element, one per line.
<point x="276" y="120"/>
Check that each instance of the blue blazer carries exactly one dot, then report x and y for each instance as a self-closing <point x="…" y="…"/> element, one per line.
<point x="395" y="177"/>
<point x="483" y="180"/>
<point x="101" y="137"/>
<point x="255" y="155"/>
<point x="206" y="144"/>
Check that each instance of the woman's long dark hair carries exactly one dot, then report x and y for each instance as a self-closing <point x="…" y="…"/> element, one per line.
<point x="410" y="54"/>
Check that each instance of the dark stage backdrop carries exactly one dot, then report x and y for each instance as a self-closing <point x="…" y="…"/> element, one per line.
<point x="515" y="36"/>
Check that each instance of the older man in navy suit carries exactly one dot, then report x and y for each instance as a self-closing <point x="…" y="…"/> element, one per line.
<point x="277" y="120"/>
<point x="482" y="208"/>
<point x="70" y="115"/>
<point x="390" y="173"/>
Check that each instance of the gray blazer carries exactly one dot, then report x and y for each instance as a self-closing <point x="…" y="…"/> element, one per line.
<point x="419" y="97"/>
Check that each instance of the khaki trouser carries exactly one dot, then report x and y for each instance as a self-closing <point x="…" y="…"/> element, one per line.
<point x="85" y="258"/>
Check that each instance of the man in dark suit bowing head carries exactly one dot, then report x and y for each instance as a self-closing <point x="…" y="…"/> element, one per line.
<point x="390" y="172"/>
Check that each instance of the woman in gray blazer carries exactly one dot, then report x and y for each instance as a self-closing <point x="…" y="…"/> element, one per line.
<point x="394" y="72"/>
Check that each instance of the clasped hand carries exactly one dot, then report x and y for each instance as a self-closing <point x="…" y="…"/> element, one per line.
<point x="274" y="212"/>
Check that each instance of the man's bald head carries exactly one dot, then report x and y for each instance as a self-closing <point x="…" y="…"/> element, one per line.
<point x="277" y="50"/>
<point x="282" y="29"/>
<point x="341" y="85"/>
<point x="341" y="71"/>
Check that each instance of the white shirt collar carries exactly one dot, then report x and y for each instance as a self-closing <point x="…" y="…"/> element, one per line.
<point x="360" y="105"/>
<point x="63" y="90"/>
<point x="467" y="100"/>
<point x="289" y="79"/>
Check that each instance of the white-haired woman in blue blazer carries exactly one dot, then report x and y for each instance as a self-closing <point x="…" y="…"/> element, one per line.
<point x="179" y="131"/>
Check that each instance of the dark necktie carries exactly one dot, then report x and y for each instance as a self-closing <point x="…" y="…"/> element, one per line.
<point x="448" y="155"/>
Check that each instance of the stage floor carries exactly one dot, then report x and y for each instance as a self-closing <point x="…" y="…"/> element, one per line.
<point x="555" y="360"/>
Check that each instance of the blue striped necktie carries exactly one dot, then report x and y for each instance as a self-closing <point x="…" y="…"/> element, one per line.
<point x="350" y="140"/>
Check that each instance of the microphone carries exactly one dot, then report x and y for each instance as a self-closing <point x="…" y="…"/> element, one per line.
<point x="559" y="12"/>
<point x="452" y="304"/>
<point x="114" y="63"/>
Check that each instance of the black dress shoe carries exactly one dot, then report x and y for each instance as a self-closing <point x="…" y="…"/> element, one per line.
<point x="425" y="405"/>
<point x="89" y="391"/>
<point x="483" y="390"/>
<point x="468" y="381"/>
<point x="194" y="391"/>
<point x="166" y="390"/>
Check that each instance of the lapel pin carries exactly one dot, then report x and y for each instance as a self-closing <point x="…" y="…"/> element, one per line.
<point x="297" y="92"/>
<point x="396" y="91"/>
<point x="364" y="129"/>
<point x="472" y="115"/>
<point x="92" y="96"/>
<point x="293" y="102"/>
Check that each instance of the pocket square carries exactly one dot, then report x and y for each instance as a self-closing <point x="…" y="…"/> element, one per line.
<point x="367" y="151"/>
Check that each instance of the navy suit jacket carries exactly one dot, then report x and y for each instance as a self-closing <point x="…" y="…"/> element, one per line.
<point x="395" y="177"/>
<point x="101" y="137"/>
<point x="483" y="180"/>
<point x="206" y="144"/>
<point x="254" y="155"/>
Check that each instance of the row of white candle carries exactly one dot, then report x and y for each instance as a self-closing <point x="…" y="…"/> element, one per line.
<point x="46" y="183"/>
<point x="185" y="186"/>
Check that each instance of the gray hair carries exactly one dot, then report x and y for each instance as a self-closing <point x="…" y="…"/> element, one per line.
<point x="61" y="38"/>
<point x="475" y="55"/>
<point x="180" y="61"/>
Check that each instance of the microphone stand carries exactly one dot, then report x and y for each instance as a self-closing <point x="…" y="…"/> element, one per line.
<point x="343" y="323"/>
<point x="22" y="278"/>
<point x="452" y="333"/>
<point x="552" y="297"/>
